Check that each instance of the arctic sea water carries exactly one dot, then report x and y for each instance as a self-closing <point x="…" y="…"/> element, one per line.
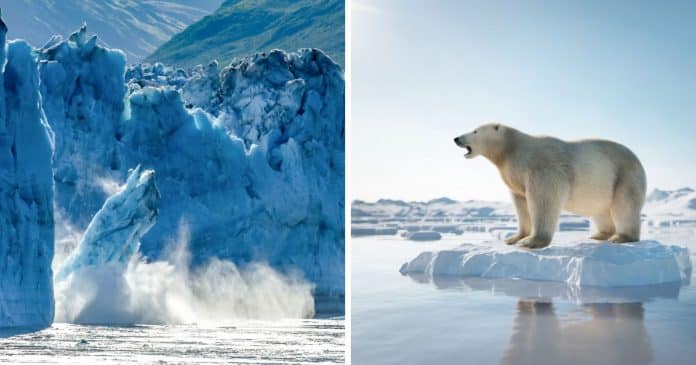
<point x="399" y="319"/>
<point x="299" y="341"/>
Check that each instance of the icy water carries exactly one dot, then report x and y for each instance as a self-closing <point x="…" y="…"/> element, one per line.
<point x="409" y="320"/>
<point x="311" y="341"/>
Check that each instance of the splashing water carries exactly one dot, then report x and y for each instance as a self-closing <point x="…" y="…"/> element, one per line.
<point x="170" y="292"/>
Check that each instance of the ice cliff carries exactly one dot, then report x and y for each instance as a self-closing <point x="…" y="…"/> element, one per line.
<point x="113" y="236"/>
<point x="250" y="157"/>
<point x="26" y="192"/>
<point x="584" y="264"/>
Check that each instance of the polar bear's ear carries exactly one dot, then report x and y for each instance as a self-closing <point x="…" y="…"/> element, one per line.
<point x="496" y="127"/>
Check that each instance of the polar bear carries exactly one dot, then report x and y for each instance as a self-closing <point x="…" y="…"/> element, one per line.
<point x="597" y="178"/>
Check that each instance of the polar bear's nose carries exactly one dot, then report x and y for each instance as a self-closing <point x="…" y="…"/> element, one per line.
<point x="456" y="140"/>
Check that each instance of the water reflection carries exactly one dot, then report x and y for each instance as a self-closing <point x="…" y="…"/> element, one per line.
<point x="606" y="327"/>
<point x="614" y="333"/>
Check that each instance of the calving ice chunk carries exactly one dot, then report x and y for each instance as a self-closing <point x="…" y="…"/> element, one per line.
<point x="113" y="236"/>
<point x="26" y="192"/>
<point x="584" y="264"/>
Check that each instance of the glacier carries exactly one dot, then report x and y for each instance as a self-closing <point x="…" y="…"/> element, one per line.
<point x="250" y="158"/>
<point x="582" y="264"/>
<point x="113" y="236"/>
<point x="26" y="192"/>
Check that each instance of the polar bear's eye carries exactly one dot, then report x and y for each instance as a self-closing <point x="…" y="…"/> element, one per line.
<point x="475" y="132"/>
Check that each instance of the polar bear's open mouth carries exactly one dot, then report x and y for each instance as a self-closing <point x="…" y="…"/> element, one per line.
<point x="468" y="150"/>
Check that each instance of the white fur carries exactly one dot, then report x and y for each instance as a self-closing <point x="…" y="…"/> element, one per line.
<point x="600" y="179"/>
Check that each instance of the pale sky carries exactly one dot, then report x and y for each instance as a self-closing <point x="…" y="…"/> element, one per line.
<point x="424" y="72"/>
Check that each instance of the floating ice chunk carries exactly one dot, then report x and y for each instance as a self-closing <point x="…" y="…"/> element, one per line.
<point x="574" y="224"/>
<point x="114" y="234"/>
<point x="549" y="290"/>
<point x="423" y="236"/>
<point x="585" y="264"/>
<point x="358" y="231"/>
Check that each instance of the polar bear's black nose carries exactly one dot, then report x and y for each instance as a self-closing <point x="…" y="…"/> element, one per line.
<point x="456" y="140"/>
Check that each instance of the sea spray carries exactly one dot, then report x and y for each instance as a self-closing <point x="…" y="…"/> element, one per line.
<point x="171" y="292"/>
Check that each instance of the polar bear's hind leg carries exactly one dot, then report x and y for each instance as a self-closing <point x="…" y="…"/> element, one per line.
<point x="625" y="212"/>
<point x="605" y="226"/>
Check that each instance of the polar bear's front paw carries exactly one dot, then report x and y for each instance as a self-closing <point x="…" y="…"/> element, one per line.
<point x="514" y="239"/>
<point x="534" y="242"/>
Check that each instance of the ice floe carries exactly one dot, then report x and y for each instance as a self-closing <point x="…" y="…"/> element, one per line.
<point x="423" y="236"/>
<point x="584" y="264"/>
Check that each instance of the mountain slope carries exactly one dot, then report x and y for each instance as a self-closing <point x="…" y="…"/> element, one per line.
<point x="137" y="27"/>
<point x="670" y="206"/>
<point x="244" y="27"/>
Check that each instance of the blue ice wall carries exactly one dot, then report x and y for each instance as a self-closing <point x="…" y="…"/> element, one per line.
<point x="26" y="192"/>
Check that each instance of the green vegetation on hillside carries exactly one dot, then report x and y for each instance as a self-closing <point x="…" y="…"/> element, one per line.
<point x="244" y="27"/>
